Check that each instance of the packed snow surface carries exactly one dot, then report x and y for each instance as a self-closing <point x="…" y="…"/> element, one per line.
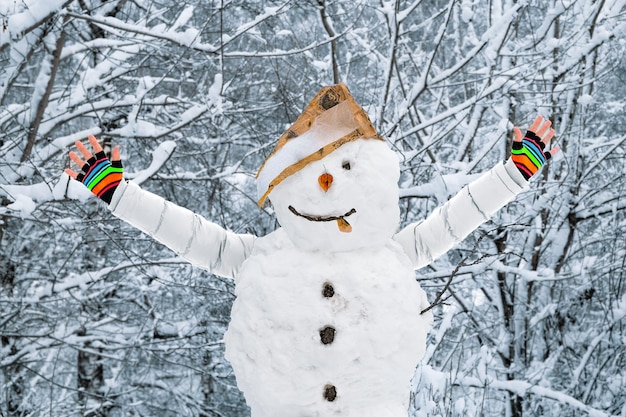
<point x="327" y="322"/>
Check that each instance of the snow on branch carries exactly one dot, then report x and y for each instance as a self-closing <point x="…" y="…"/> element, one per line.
<point x="269" y="12"/>
<point x="159" y="157"/>
<point x="577" y="54"/>
<point x="522" y="388"/>
<point x="454" y="111"/>
<point x="34" y="14"/>
<point x="592" y="347"/>
<point x="280" y="53"/>
<point x="188" y="39"/>
<point x="423" y="82"/>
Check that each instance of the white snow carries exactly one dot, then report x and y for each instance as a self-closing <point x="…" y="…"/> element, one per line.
<point x="192" y="113"/>
<point x="140" y="128"/>
<point x="215" y="100"/>
<point x="159" y="157"/>
<point x="466" y="11"/>
<point x="585" y="99"/>
<point x="321" y="65"/>
<point x="40" y="85"/>
<point x="375" y="307"/>
<point x="26" y="198"/>
<point x="183" y="17"/>
<point x="24" y="204"/>
<point x="23" y="15"/>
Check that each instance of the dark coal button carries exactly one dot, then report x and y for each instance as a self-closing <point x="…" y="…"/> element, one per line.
<point x="330" y="393"/>
<point x="328" y="290"/>
<point x="327" y="335"/>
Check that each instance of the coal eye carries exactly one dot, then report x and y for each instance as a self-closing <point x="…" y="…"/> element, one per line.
<point x="346" y="166"/>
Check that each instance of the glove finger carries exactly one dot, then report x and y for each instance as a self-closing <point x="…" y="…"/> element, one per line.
<point x="548" y="137"/>
<point x="83" y="150"/>
<point x="544" y="129"/>
<point x="100" y="155"/>
<point x="554" y="151"/>
<point x="95" y="144"/>
<point x="79" y="162"/>
<point x="115" y="154"/>
<point x="71" y="173"/>
<point x="535" y="126"/>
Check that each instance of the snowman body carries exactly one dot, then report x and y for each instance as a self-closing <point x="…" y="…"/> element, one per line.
<point x="327" y="322"/>
<point x="317" y="334"/>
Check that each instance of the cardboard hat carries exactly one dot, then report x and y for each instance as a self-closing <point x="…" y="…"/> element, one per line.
<point x="333" y="118"/>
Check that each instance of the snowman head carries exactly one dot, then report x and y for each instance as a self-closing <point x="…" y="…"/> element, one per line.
<point x="331" y="179"/>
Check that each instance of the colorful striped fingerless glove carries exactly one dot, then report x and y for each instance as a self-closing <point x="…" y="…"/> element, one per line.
<point x="101" y="176"/>
<point x="528" y="155"/>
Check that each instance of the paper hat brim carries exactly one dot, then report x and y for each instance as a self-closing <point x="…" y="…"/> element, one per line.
<point x="332" y="119"/>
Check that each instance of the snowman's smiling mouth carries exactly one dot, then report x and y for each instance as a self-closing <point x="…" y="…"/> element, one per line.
<point x="342" y="223"/>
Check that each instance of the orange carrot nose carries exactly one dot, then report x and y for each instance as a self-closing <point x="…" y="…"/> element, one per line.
<point x="325" y="181"/>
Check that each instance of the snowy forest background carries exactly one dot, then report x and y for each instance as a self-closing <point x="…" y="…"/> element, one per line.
<point x="96" y="319"/>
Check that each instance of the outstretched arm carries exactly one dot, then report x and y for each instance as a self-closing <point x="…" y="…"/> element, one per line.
<point x="201" y="242"/>
<point x="425" y="241"/>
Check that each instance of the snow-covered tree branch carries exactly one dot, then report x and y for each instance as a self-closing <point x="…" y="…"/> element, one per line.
<point x="96" y="319"/>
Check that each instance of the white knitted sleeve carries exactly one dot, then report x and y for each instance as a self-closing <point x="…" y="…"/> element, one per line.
<point x="425" y="241"/>
<point x="190" y="235"/>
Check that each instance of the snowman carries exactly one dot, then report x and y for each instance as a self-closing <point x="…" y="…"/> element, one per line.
<point x="327" y="319"/>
